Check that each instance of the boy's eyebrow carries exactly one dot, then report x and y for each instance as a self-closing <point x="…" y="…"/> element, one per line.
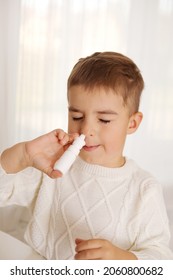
<point x="108" y="112"/>
<point x="104" y="112"/>
<point x="72" y="109"/>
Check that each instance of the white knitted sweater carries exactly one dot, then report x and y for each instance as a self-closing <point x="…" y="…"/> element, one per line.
<point x="123" y="205"/>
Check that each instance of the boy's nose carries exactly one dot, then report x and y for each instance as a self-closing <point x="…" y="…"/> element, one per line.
<point x="87" y="129"/>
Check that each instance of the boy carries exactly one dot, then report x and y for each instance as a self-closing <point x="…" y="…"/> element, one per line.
<point x="105" y="207"/>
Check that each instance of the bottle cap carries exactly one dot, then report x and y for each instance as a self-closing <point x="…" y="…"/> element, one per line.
<point x="79" y="141"/>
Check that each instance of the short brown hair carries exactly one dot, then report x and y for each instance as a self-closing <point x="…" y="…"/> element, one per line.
<point x="110" y="70"/>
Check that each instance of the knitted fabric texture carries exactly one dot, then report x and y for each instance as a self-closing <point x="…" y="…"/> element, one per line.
<point x="123" y="205"/>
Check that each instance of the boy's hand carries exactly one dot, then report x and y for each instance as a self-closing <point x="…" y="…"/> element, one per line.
<point x="100" y="249"/>
<point x="41" y="153"/>
<point x="44" y="151"/>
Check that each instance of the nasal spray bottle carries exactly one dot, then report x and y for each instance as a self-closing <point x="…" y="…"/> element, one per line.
<point x="66" y="160"/>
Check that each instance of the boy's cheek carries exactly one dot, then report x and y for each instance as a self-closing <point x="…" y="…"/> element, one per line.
<point x="73" y="130"/>
<point x="72" y="127"/>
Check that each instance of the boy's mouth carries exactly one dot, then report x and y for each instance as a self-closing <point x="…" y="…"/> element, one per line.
<point x="90" y="148"/>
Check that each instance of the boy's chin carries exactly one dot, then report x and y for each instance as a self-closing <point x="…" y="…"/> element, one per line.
<point x="92" y="160"/>
<point x="89" y="159"/>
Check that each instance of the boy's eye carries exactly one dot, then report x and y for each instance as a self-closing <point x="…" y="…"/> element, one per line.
<point x="104" y="121"/>
<point x="77" y="118"/>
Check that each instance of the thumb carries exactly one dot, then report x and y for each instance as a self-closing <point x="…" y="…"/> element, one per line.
<point x="54" y="174"/>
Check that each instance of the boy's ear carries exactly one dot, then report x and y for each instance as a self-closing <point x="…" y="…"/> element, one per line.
<point x="134" y="122"/>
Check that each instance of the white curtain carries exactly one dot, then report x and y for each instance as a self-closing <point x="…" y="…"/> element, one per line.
<point x="9" y="48"/>
<point x="40" y="40"/>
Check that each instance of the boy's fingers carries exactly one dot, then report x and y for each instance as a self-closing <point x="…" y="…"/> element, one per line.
<point x="78" y="240"/>
<point x="90" y="254"/>
<point x="72" y="137"/>
<point x="65" y="138"/>
<point x="59" y="133"/>
<point x="88" y="244"/>
<point x="55" y="174"/>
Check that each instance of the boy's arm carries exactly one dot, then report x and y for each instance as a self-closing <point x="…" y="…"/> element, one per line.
<point x="40" y="153"/>
<point x="14" y="159"/>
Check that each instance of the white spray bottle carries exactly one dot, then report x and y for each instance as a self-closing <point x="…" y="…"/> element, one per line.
<point x="66" y="160"/>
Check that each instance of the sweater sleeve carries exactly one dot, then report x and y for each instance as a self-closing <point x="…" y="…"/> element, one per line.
<point x="20" y="188"/>
<point x="153" y="236"/>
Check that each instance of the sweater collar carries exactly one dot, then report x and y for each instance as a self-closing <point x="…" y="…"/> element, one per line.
<point x="93" y="169"/>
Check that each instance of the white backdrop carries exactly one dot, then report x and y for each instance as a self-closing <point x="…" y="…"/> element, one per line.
<point x="40" y="40"/>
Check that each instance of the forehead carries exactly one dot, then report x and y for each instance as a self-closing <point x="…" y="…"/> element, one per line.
<point x="99" y="97"/>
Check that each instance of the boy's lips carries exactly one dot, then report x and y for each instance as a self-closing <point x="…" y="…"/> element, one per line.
<point x="90" y="148"/>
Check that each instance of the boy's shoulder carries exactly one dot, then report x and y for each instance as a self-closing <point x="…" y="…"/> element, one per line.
<point x="139" y="171"/>
<point x="144" y="179"/>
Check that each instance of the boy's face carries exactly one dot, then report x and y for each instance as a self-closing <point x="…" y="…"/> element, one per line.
<point x="101" y="116"/>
